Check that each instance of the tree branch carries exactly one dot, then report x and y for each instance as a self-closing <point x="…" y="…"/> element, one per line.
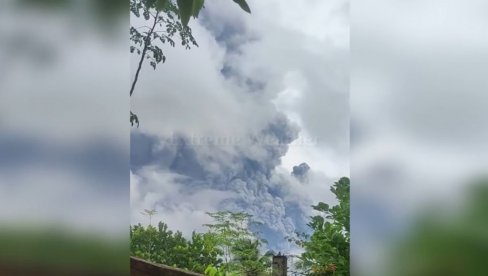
<point x="147" y="41"/>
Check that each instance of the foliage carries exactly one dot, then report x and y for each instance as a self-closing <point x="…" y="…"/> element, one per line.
<point x="189" y="8"/>
<point x="231" y="248"/>
<point x="167" y="20"/>
<point x="149" y="213"/>
<point x="215" y="271"/>
<point x="327" y="248"/>
<point x="163" y="17"/>
<point x="228" y="248"/>
<point x="171" y="248"/>
<point x="248" y="259"/>
<point x="228" y="229"/>
<point x="241" y="247"/>
<point x="203" y="250"/>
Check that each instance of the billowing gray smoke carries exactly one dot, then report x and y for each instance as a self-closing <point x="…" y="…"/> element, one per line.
<point x="244" y="166"/>
<point x="187" y="168"/>
<point x="301" y="171"/>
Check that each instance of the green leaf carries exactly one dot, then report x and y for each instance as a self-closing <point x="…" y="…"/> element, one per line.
<point x="134" y="119"/>
<point x="317" y="222"/>
<point x="197" y="6"/>
<point x="146" y="14"/>
<point x="161" y="4"/>
<point x="243" y="5"/>
<point x="323" y="207"/>
<point x="149" y="3"/>
<point x="211" y="271"/>
<point x="186" y="10"/>
<point x="189" y="8"/>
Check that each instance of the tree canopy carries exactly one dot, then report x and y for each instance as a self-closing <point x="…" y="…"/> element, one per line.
<point x="327" y="248"/>
<point x="230" y="247"/>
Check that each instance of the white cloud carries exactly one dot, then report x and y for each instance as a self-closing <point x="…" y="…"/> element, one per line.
<point x="180" y="208"/>
<point x="298" y="68"/>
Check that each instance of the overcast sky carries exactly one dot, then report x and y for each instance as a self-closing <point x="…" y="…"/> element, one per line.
<point x="223" y="125"/>
<point x="418" y="120"/>
<point x="64" y="144"/>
